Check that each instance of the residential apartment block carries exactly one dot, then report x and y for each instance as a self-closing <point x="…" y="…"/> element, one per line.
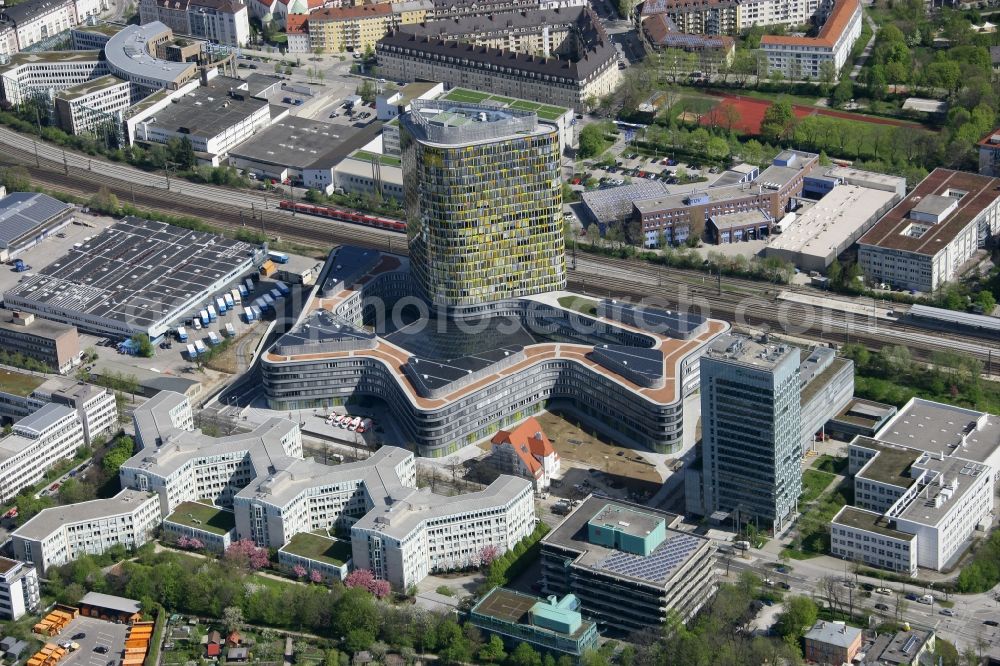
<point x="37" y="20"/>
<point x="221" y="21"/>
<point x="19" y="592"/>
<point x="39" y="441"/>
<point x="356" y="27"/>
<point x="400" y="533"/>
<point x="930" y="236"/>
<point x="923" y="486"/>
<point x="62" y="534"/>
<point x="832" y="643"/>
<point x="627" y="564"/>
<point x="799" y="58"/>
<point x="695" y="17"/>
<point x="562" y="57"/>
<point x="52" y="343"/>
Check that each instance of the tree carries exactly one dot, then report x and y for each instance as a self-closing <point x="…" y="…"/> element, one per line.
<point x="777" y="121"/>
<point x="246" y="554"/>
<point x="104" y="201"/>
<point x="232" y="619"/>
<point x="843" y="92"/>
<point x="524" y="655"/>
<point x="592" y="140"/>
<point x="73" y="492"/>
<point x="16" y="179"/>
<point x="315" y="576"/>
<point x="488" y="553"/>
<point x="800" y="613"/>
<point x="143" y="347"/>
<point x="493" y="651"/>
<point x="299" y="571"/>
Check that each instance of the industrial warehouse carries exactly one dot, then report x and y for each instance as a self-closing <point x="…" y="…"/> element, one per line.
<point x="138" y="276"/>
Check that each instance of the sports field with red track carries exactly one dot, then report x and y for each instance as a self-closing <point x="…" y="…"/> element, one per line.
<point x="749" y="112"/>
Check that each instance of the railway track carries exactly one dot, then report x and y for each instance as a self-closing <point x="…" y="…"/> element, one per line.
<point x="671" y="285"/>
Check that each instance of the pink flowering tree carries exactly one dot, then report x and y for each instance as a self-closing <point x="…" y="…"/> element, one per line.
<point x="366" y="580"/>
<point x="299" y="571"/>
<point x="247" y="554"/>
<point x="190" y="543"/>
<point x="488" y="553"/>
<point x="315" y="576"/>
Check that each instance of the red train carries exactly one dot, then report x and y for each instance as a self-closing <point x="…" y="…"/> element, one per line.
<point x="345" y="215"/>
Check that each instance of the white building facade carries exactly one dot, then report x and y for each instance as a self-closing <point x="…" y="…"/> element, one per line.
<point x="801" y="58"/>
<point x="39" y="441"/>
<point x="19" y="592"/>
<point x="62" y="534"/>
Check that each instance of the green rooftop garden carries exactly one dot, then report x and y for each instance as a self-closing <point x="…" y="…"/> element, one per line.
<point x="387" y="160"/>
<point x="319" y="548"/>
<point x="18" y="383"/>
<point x="205" y="517"/>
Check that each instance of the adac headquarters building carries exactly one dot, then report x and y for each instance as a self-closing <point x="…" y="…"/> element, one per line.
<point x="484" y="339"/>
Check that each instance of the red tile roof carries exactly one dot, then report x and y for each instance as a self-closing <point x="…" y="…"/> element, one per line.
<point x="828" y="35"/>
<point x="985" y="141"/>
<point x="529" y="442"/>
<point x="296" y="22"/>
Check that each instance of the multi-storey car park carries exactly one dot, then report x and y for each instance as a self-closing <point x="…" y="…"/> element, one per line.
<point x="137" y="276"/>
<point x="399" y="532"/>
<point x="628" y="565"/>
<point x="452" y="383"/>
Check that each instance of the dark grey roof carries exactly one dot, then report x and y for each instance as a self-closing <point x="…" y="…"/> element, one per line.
<point x="349" y="264"/>
<point x="120" y="604"/>
<point x="21" y="213"/>
<point x="167" y="383"/>
<point x="665" y="322"/>
<point x="596" y="50"/>
<point x="32" y="9"/>
<point x="208" y="111"/>
<point x="135" y="272"/>
<point x="639" y="365"/>
<point x="298" y="143"/>
<point x="322" y="331"/>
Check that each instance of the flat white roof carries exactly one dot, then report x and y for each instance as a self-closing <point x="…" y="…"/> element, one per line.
<point x="829" y="225"/>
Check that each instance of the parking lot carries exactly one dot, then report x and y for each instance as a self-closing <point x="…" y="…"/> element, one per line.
<point x="97" y="634"/>
<point x="635" y="167"/>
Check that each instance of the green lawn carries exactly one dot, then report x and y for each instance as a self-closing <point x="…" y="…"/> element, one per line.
<point x="388" y="160"/>
<point x="579" y="304"/>
<point x="544" y="111"/>
<point x="465" y="95"/>
<point x="18" y="383"/>
<point x="831" y="464"/>
<point x="321" y="549"/>
<point x="814" y="482"/>
<point x="203" y="517"/>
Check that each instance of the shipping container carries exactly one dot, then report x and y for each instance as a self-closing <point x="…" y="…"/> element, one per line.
<point x="267" y="269"/>
<point x="182" y="334"/>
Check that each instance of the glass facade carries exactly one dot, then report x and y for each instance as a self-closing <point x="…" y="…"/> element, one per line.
<point x="484" y="214"/>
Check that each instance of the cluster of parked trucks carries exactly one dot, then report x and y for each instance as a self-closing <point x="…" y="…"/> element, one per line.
<point x="236" y="300"/>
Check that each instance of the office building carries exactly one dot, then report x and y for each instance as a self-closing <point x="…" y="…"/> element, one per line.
<point x="94" y="106"/>
<point x="402" y="534"/>
<point x="131" y="54"/>
<point x="39" y="441"/>
<point x="859" y="417"/>
<point x="54" y="344"/>
<point x="471" y="166"/>
<point x="627" y="564"/>
<point x="928" y="238"/>
<point x="832" y="643"/>
<point x="331" y="558"/>
<point x="989" y="154"/>
<point x="61" y="534"/>
<point x="95" y="406"/>
<point x="29" y="75"/>
<point x="213" y="526"/>
<point x="18" y="589"/>
<point x="8" y="40"/>
<point x="811" y="58"/>
<point x="923" y="486"/>
<point x="817" y="234"/>
<point x="751" y="431"/>
<point x="452" y="384"/>
<point x="525" y="451"/>
<point x="98" y="287"/>
<point x="549" y="625"/>
<point x="560" y="56"/>
<point x="28" y="218"/>
<point x="740" y="206"/>
<point x="224" y="22"/>
<point x="37" y="20"/>
<point x="215" y="118"/>
<point x="826" y="387"/>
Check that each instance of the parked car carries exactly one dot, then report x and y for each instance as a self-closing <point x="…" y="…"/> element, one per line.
<point x="991" y="623"/>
